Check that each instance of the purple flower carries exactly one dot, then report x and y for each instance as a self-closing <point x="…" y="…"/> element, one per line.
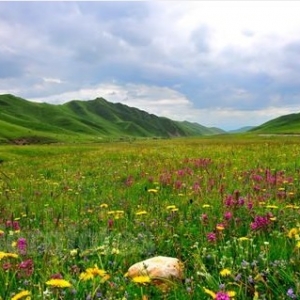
<point x="260" y="222"/>
<point x="290" y="294"/>
<point x="22" y="245"/>
<point x="227" y="215"/>
<point x="211" y="237"/>
<point x="13" y="225"/>
<point x="222" y="296"/>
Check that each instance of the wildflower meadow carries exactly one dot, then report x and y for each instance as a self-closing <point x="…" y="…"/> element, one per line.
<point x="74" y="218"/>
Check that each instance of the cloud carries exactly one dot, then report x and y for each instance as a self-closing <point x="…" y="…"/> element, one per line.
<point x="197" y="60"/>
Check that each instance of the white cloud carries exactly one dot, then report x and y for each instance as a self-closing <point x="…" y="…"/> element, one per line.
<point x="52" y="80"/>
<point x="218" y="63"/>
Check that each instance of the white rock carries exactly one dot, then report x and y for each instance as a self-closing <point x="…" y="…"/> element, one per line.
<point x="159" y="267"/>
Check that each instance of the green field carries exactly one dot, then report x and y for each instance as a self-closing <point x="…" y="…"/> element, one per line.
<point x="227" y="207"/>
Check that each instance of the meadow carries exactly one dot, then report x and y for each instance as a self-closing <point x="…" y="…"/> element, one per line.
<point x="75" y="217"/>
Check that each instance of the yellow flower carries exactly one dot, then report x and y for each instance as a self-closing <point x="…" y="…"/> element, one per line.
<point x="271" y="206"/>
<point x="154" y="191"/>
<point x="7" y="255"/>
<point x="210" y="293"/>
<point x="90" y="273"/>
<point x="205" y="205"/>
<point x="171" y="207"/>
<point x="292" y="206"/>
<point x="104" y="205"/>
<point x="59" y="283"/>
<point x="220" y="227"/>
<point x="231" y="294"/>
<point x="141" y="279"/>
<point x="243" y="238"/>
<point x="115" y="251"/>
<point x="298" y="245"/>
<point x="293" y="232"/>
<point x="225" y="272"/>
<point x="74" y="252"/>
<point x="21" y="295"/>
<point x="140" y="213"/>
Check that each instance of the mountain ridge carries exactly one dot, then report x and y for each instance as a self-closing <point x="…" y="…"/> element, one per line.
<point x="87" y="119"/>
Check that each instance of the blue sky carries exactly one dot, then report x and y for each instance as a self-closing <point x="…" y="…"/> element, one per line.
<point x="226" y="64"/>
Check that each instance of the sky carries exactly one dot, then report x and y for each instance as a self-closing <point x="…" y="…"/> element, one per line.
<point x="224" y="64"/>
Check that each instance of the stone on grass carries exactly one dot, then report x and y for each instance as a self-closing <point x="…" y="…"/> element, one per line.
<point x="162" y="270"/>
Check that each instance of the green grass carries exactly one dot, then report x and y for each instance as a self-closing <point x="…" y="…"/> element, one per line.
<point x="288" y="124"/>
<point x="76" y="206"/>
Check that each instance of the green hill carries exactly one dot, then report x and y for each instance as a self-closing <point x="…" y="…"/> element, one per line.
<point x="22" y="120"/>
<point x="287" y="124"/>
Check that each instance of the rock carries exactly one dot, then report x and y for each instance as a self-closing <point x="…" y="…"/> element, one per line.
<point x="159" y="269"/>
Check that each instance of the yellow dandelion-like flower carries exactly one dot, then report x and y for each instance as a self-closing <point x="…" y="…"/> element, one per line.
<point x="104" y="205"/>
<point x="171" y="207"/>
<point x="115" y="251"/>
<point x="74" y="252"/>
<point x="220" y="227"/>
<point x="174" y="209"/>
<point x="21" y="295"/>
<point x="243" y="238"/>
<point x="210" y="293"/>
<point x="293" y="232"/>
<point x="298" y="245"/>
<point x="281" y="189"/>
<point x="90" y="273"/>
<point x="225" y="272"/>
<point x="292" y="206"/>
<point x="140" y="213"/>
<point x="8" y="255"/>
<point x="141" y="279"/>
<point x="271" y="206"/>
<point x="231" y="294"/>
<point x="59" y="283"/>
<point x="153" y="191"/>
<point x="205" y="205"/>
<point x="273" y="219"/>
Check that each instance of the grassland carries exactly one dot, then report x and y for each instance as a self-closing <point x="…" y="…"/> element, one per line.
<point x="228" y="207"/>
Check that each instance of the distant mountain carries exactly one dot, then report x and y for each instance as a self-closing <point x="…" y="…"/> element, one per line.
<point x="22" y="120"/>
<point x="241" y="130"/>
<point x="287" y="124"/>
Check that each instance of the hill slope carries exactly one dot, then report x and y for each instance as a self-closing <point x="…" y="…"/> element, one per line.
<point x="20" y="118"/>
<point x="287" y="124"/>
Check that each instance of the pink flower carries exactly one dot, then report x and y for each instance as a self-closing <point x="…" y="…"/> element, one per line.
<point x="13" y="225"/>
<point x="228" y="215"/>
<point x="222" y="296"/>
<point x="22" y="245"/>
<point x="26" y="268"/>
<point x="211" y="237"/>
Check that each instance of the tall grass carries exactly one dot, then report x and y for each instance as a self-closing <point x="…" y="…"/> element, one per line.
<point x="228" y="208"/>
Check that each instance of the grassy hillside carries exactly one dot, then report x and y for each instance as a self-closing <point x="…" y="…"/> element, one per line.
<point x="288" y="124"/>
<point x="85" y="120"/>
